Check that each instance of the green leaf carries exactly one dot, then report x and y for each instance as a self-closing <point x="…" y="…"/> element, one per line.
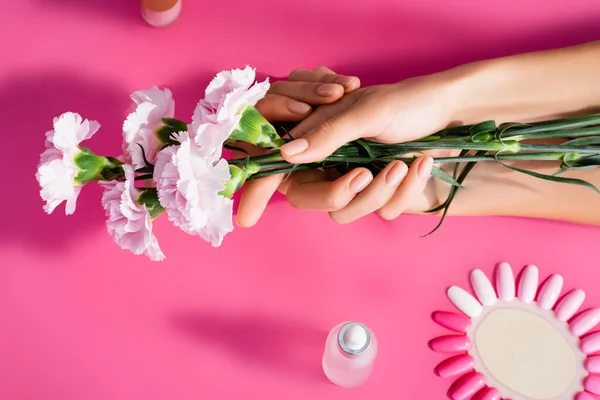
<point x="430" y="138"/>
<point x="446" y="204"/>
<point x="552" y="178"/>
<point x="440" y="174"/>
<point x="482" y="137"/>
<point x="294" y="168"/>
<point x="483" y="127"/>
<point x="510" y="125"/>
<point x="584" y="141"/>
<point x="365" y="146"/>
<point x="559" y="124"/>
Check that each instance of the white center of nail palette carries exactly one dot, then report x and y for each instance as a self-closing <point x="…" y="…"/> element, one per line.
<point x="511" y="345"/>
<point x="525" y="353"/>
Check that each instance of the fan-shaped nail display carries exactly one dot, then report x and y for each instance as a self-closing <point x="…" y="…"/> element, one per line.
<point x="518" y="339"/>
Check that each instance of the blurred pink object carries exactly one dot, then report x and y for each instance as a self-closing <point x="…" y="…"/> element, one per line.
<point x="160" y="13"/>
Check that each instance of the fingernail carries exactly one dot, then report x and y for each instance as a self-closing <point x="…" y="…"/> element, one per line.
<point x="299" y="108"/>
<point x="396" y="174"/>
<point x="295" y="147"/>
<point x="425" y="167"/>
<point x="327" y="89"/>
<point x="360" y="181"/>
<point x="345" y="81"/>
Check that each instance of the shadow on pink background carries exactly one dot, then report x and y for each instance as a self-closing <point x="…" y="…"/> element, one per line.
<point x="81" y="319"/>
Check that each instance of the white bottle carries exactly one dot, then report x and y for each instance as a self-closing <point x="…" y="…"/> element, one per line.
<point x="350" y="352"/>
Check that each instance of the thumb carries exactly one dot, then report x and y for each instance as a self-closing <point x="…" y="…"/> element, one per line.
<point x="321" y="141"/>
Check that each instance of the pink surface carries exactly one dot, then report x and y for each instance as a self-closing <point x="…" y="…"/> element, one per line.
<point x="82" y="319"/>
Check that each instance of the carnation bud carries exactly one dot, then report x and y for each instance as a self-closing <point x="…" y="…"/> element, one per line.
<point x="239" y="175"/>
<point x="254" y="128"/>
<point x="93" y="167"/>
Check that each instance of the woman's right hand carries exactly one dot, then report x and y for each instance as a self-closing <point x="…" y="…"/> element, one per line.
<point x="396" y="113"/>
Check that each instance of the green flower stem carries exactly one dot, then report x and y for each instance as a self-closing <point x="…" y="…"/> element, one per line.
<point x="272" y="157"/>
<point x="517" y="135"/>
<point x="554" y="125"/>
<point x="285" y="167"/>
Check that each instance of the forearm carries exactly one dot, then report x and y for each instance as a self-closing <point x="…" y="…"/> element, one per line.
<point x="528" y="87"/>
<point x="524" y="88"/>
<point x="492" y="189"/>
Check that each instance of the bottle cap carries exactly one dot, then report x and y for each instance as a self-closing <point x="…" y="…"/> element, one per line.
<point x="354" y="338"/>
<point x="159" y="13"/>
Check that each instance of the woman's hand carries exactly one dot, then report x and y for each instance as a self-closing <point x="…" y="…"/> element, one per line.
<point x="395" y="113"/>
<point x="290" y="101"/>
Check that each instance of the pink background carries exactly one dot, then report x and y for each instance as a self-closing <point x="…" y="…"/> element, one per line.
<point x="82" y="319"/>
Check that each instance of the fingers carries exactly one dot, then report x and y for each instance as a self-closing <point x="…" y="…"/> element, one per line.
<point x="375" y="196"/>
<point x="309" y="190"/>
<point x="325" y="75"/>
<point x="413" y="185"/>
<point x="317" y="117"/>
<point x="357" y="194"/>
<point x="255" y="197"/>
<point x="328" y="136"/>
<point x="309" y="92"/>
<point x="275" y="107"/>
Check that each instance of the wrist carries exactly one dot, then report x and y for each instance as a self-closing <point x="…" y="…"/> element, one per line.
<point x="470" y="91"/>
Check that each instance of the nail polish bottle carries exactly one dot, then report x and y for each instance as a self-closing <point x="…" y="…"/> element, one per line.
<point x="160" y="13"/>
<point x="350" y="352"/>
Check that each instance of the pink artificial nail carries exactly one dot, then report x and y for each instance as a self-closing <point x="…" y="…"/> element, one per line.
<point x="592" y="364"/>
<point x="550" y="292"/>
<point x="466" y="386"/>
<point x="585" y="322"/>
<point x="450" y="344"/>
<point x="584" y="396"/>
<point x="505" y="280"/>
<point x="455" y="366"/>
<point x="528" y="284"/>
<point x="453" y="321"/>
<point x="592" y="384"/>
<point x="591" y="344"/>
<point x="569" y="305"/>
<point x="487" y="394"/>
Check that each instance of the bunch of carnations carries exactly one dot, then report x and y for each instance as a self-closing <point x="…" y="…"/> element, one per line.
<point x="169" y="166"/>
